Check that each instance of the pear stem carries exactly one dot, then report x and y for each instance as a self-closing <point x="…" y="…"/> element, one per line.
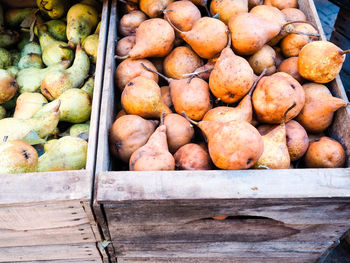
<point x="303" y="33"/>
<point x="5" y="138"/>
<point x="190" y="120"/>
<point x="300" y="22"/>
<point x="196" y="72"/>
<point x="165" y="12"/>
<point x="256" y="81"/>
<point x="205" y="4"/>
<point x="344" y="52"/>
<point x="121" y="57"/>
<point x="229" y="39"/>
<point x="285" y="114"/>
<point x="155" y="72"/>
<point x="162" y="116"/>
<point x="70" y="46"/>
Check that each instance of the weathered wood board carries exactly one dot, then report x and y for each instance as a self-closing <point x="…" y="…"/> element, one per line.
<point x="272" y="216"/>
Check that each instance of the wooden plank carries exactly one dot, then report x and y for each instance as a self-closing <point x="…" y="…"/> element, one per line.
<point x="66" y="261"/>
<point x="119" y="186"/>
<point x="213" y="259"/>
<point x="45" y="224"/>
<point x="19" y="3"/>
<point x="98" y="86"/>
<point x="44" y="187"/>
<point x="48" y="253"/>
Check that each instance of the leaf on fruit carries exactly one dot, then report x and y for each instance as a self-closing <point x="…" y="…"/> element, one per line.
<point x="84" y="136"/>
<point x="30" y="19"/>
<point x="33" y="138"/>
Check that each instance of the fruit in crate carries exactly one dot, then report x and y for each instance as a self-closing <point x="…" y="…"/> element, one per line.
<point x="325" y="153"/>
<point x="53" y="9"/>
<point x="17" y="157"/>
<point x="128" y="133"/>
<point x="130" y="22"/>
<point x="321" y="61"/>
<point x="192" y="157"/>
<point x="67" y="153"/>
<point x="183" y="14"/>
<point x="154" y="155"/>
<point x="228" y="8"/>
<point x="8" y="86"/>
<point x="317" y="114"/>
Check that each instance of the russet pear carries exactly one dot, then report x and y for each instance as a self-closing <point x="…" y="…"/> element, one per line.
<point x="192" y="157"/>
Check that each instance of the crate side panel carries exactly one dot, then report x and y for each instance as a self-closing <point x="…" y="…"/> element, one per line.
<point x="50" y="253"/>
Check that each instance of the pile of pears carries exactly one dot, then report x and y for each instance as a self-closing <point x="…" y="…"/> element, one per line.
<point x="47" y="62"/>
<point x="229" y="84"/>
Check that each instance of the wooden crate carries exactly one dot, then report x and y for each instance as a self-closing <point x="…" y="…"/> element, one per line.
<point x="290" y="216"/>
<point x="47" y="217"/>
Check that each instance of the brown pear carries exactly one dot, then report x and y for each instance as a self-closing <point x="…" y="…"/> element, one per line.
<point x="128" y="133"/>
<point x="181" y="60"/>
<point x="183" y="14"/>
<point x="231" y="78"/>
<point x="192" y="157"/>
<point x="325" y="153"/>
<point x="232" y="145"/>
<point x="154" y="8"/>
<point x="142" y="97"/>
<point x="290" y="66"/>
<point x="243" y="111"/>
<point x="124" y="45"/>
<point x="254" y="3"/>
<point x="8" y="86"/>
<point x="179" y="131"/>
<point x="293" y="43"/>
<point x="130" y="22"/>
<point x="190" y="95"/>
<point x="208" y="36"/>
<point x="154" y="38"/>
<point x="317" y="114"/>
<point x="264" y="58"/>
<point x="250" y="32"/>
<point x="276" y="154"/>
<point x="274" y="94"/>
<point x="154" y="155"/>
<point x="166" y="98"/>
<point x="282" y="4"/>
<point x="228" y="8"/>
<point x="130" y="68"/>
<point x="293" y="14"/>
<point x="320" y="61"/>
<point x="297" y="138"/>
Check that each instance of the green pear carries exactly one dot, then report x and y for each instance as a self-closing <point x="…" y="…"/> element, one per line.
<point x="53" y="9"/>
<point x="31" y="48"/>
<point x="28" y="104"/>
<point x="16" y="129"/>
<point x="57" y="82"/>
<point x="14" y="17"/>
<point x="15" y="57"/>
<point x="5" y="58"/>
<point x="30" y="61"/>
<point x="2" y="112"/>
<point x="68" y="153"/>
<point x="49" y="144"/>
<point x="17" y="157"/>
<point x="30" y="79"/>
<point x="80" y="128"/>
<point x="82" y="19"/>
<point x="13" y="70"/>
<point x="57" y="28"/>
<point x="75" y="106"/>
<point x="53" y="50"/>
<point x="89" y="86"/>
<point x="8" y="86"/>
<point x="8" y="38"/>
<point x="90" y="45"/>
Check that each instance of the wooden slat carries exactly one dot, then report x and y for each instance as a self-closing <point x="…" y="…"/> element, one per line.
<point x="44" y="187"/>
<point x="66" y="261"/>
<point x="48" y="253"/>
<point x="119" y="186"/>
<point x="44" y="224"/>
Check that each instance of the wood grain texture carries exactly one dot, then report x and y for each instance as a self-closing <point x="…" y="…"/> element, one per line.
<point x="44" y="187"/>
<point x="66" y="261"/>
<point x="50" y="253"/>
